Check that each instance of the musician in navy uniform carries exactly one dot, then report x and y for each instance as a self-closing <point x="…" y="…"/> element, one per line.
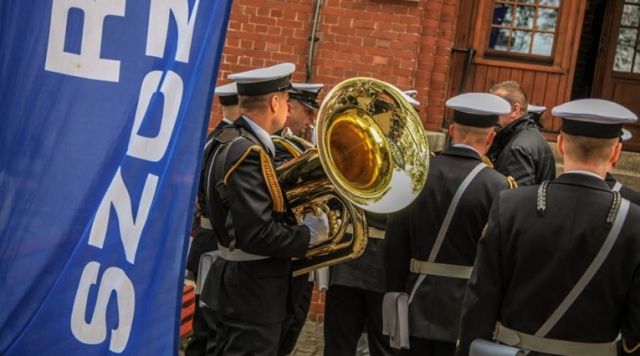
<point x="519" y="150"/>
<point x="557" y="267"/>
<point x="295" y="137"/>
<point x="247" y="291"/>
<point x="616" y="186"/>
<point x="430" y="245"/>
<point x="303" y="108"/>
<point x="354" y="298"/>
<point x="204" y="240"/>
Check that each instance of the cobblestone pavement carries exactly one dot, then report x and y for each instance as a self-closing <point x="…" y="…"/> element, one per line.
<point x="311" y="340"/>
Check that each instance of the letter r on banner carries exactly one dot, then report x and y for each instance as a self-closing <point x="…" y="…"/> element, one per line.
<point x="88" y="63"/>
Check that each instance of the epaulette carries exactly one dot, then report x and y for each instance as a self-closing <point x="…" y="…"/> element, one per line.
<point x="228" y="134"/>
<point x="268" y="173"/>
<point x="287" y="145"/>
<point x="487" y="161"/>
<point x="512" y="182"/>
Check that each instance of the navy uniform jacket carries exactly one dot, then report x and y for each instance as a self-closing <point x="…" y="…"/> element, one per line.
<point x="629" y="194"/>
<point x="434" y="313"/>
<point x="285" y="149"/>
<point x="528" y="263"/>
<point x="251" y="291"/>
<point x="205" y="240"/>
<point x="520" y="151"/>
<point x="367" y="271"/>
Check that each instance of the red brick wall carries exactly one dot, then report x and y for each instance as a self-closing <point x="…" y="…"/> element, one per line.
<point x="316" y="310"/>
<point x="405" y="43"/>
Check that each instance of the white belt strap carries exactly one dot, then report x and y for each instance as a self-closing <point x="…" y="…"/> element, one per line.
<point x="205" y="223"/>
<point x="447" y="221"/>
<point x="238" y="255"/>
<point x="440" y="269"/>
<point x="552" y="346"/>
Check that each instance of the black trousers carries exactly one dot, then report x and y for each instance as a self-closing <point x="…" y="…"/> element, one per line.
<point x="301" y="291"/>
<point x="203" y="242"/>
<point x="421" y="347"/>
<point x="241" y="338"/>
<point x="201" y="333"/>
<point x="347" y="312"/>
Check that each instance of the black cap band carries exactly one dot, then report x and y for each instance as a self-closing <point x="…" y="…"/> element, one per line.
<point x="474" y="120"/>
<point x="591" y="129"/>
<point x="271" y="86"/>
<point x="228" y="100"/>
<point x="308" y="99"/>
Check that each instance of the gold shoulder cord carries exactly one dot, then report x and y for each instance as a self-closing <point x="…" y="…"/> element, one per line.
<point x="487" y="161"/>
<point x="512" y="182"/>
<point x="288" y="146"/>
<point x="268" y="173"/>
<point x="627" y="349"/>
<point x="271" y="179"/>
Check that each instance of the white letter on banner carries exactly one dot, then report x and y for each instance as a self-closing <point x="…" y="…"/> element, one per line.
<point x="95" y="332"/>
<point x="130" y="229"/>
<point x="153" y="149"/>
<point x="88" y="63"/>
<point x="159" y="27"/>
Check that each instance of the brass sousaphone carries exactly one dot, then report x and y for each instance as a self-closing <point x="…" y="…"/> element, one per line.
<point x="372" y="154"/>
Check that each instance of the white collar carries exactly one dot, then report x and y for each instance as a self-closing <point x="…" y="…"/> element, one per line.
<point x="587" y="173"/>
<point x="462" y="145"/>
<point x="228" y="121"/>
<point x="262" y="135"/>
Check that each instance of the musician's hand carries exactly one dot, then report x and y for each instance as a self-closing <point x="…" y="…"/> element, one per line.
<point x="318" y="224"/>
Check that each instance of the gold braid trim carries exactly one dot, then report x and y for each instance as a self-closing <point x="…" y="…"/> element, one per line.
<point x="288" y="146"/>
<point x="512" y="182"/>
<point x="226" y="176"/>
<point x="268" y="173"/>
<point x="271" y="179"/>
<point x="627" y="349"/>
<point x="487" y="161"/>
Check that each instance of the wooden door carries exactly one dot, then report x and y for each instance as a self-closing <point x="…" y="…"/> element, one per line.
<point x="545" y="75"/>
<point x="462" y="53"/>
<point x="618" y="77"/>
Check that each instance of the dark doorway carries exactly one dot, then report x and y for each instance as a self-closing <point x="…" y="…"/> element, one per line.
<point x="589" y="49"/>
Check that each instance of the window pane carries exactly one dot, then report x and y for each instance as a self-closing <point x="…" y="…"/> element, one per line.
<point x="542" y="44"/>
<point x="524" y="16"/>
<point x="521" y="41"/>
<point x="502" y="14"/>
<point x="527" y="2"/>
<point x="499" y="39"/>
<point x="624" y="50"/>
<point x="551" y="2"/>
<point x="636" y="67"/>
<point x="547" y="19"/>
<point x="631" y="15"/>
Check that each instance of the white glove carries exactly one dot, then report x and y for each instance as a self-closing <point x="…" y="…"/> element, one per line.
<point x="319" y="226"/>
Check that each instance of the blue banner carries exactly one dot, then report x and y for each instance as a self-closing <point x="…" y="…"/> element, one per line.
<point x="104" y="106"/>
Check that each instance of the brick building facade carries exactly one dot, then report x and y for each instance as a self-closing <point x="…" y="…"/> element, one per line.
<point x="406" y="43"/>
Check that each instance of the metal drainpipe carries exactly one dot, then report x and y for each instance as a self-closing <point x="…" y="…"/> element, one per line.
<point x="313" y="39"/>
